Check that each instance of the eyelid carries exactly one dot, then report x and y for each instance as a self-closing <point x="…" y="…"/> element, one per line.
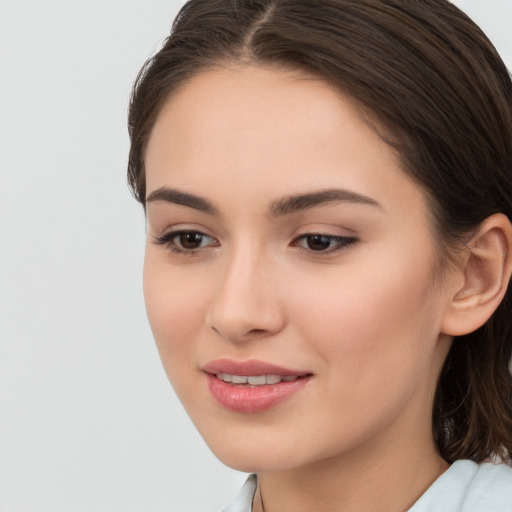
<point x="167" y="240"/>
<point x="180" y="227"/>
<point x="344" y="242"/>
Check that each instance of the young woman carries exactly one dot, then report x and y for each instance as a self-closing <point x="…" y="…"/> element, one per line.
<point x="328" y="190"/>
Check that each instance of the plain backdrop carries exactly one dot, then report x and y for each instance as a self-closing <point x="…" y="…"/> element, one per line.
<point x="88" y="421"/>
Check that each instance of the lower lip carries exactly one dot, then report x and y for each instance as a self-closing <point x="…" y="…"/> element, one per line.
<point x="248" y="399"/>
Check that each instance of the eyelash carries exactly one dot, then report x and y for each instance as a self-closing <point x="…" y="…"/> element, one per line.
<point x="168" y="240"/>
<point x="341" y="243"/>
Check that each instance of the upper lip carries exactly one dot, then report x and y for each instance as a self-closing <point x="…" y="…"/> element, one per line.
<point x="248" y="368"/>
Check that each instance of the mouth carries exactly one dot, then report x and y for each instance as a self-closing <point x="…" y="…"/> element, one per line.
<point x="256" y="380"/>
<point x="252" y="386"/>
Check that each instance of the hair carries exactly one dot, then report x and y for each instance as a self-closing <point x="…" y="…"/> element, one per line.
<point x="430" y="77"/>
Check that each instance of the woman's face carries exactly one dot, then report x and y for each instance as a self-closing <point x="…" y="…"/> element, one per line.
<point x="289" y="272"/>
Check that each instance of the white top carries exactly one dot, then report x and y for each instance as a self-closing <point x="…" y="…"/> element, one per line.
<point x="464" y="487"/>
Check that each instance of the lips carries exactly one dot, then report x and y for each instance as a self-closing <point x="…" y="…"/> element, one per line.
<point x="252" y="386"/>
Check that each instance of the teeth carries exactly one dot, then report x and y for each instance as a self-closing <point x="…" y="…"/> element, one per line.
<point x="255" y="380"/>
<point x="225" y="377"/>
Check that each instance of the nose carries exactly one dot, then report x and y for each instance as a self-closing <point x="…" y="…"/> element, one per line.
<point x="247" y="302"/>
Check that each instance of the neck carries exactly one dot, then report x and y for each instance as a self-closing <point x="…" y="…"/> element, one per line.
<point x="370" y="480"/>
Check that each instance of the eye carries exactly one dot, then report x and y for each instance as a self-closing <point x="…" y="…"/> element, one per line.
<point x="318" y="242"/>
<point x="184" y="241"/>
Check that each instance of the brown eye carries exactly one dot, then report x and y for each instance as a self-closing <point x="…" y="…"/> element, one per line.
<point x="186" y="242"/>
<point x="318" y="242"/>
<point x="190" y="240"/>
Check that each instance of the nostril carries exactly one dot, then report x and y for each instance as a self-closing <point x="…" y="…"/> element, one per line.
<point x="241" y="318"/>
<point x="257" y="331"/>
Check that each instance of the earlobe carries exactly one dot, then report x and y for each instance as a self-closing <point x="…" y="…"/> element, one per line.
<point x="486" y="270"/>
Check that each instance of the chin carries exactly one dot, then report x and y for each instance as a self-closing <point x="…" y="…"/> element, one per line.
<point x="253" y="462"/>
<point x="255" y="452"/>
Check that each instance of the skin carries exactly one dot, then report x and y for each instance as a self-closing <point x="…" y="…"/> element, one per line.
<point x="366" y="320"/>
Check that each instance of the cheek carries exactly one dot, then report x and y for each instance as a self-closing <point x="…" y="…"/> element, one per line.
<point x="176" y="312"/>
<point x="371" y="319"/>
<point x="175" y="309"/>
<point x="374" y="333"/>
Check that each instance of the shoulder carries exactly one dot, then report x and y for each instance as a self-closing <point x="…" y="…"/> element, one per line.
<point x="469" y="487"/>
<point x="243" y="500"/>
<point x="464" y="487"/>
<point x="490" y="489"/>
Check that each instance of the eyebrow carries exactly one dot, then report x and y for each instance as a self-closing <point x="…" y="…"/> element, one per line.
<point x="284" y="206"/>
<point x="300" y="202"/>
<point x="171" y="195"/>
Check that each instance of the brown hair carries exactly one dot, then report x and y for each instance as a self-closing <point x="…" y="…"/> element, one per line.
<point x="433" y="80"/>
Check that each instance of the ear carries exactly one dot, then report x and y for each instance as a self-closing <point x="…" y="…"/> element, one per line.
<point x="484" y="270"/>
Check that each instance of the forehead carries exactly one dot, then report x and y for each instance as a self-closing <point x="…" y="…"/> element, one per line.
<point x="254" y="128"/>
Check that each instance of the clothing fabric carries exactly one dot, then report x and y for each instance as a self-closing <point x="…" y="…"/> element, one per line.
<point x="464" y="487"/>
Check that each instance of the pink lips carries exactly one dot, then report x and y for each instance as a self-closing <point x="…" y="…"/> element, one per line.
<point x="246" y="398"/>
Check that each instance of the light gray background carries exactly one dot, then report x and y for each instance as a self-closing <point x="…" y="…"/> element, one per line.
<point x="88" y="421"/>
